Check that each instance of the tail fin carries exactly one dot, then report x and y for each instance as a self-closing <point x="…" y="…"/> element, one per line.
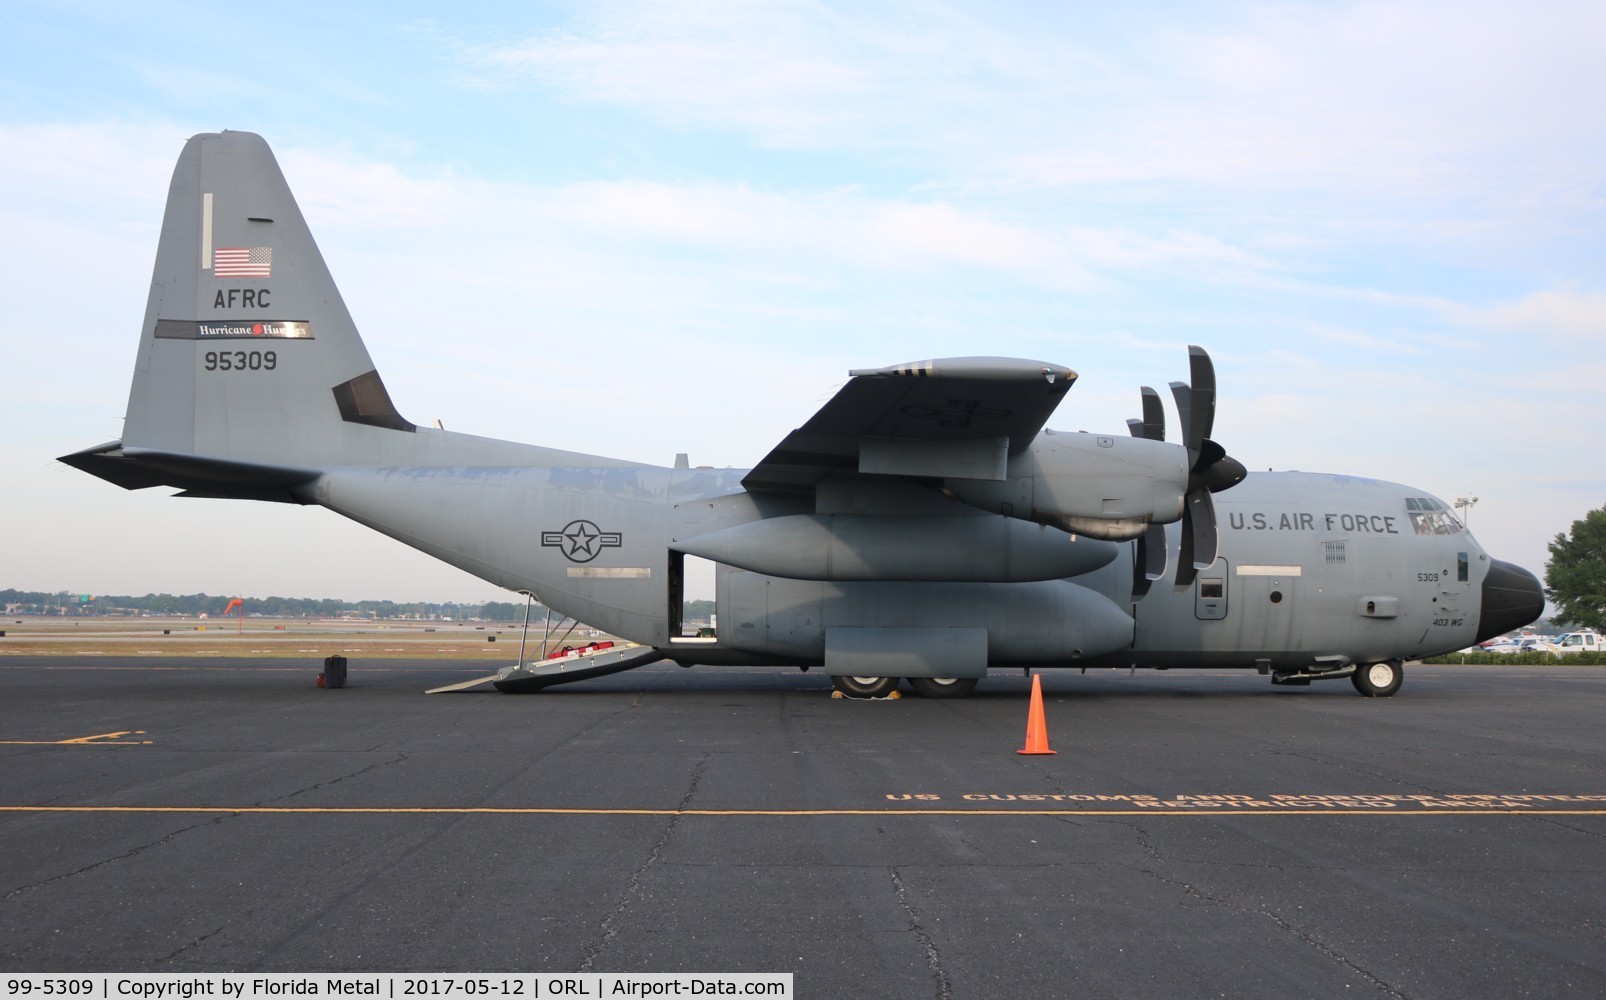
<point x="250" y="376"/>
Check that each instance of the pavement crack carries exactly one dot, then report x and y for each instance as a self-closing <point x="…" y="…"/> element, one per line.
<point x="945" y="986"/>
<point x="400" y="757"/>
<point x="1195" y="892"/>
<point x="633" y="889"/>
<point x="1143" y="840"/>
<point x="1568" y="826"/>
<point x="133" y="852"/>
<point x="181" y="949"/>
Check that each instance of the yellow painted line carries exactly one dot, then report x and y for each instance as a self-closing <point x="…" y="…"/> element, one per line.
<point x="574" y="811"/>
<point x="110" y="736"/>
<point x="101" y="740"/>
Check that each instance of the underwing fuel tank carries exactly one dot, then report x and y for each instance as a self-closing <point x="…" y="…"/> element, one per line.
<point x="966" y="548"/>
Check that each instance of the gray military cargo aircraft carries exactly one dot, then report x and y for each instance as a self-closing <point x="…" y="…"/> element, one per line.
<point x="923" y="524"/>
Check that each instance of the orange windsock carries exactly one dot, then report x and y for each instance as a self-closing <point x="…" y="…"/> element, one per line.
<point x="1036" y="727"/>
<point x="236" y="602"/>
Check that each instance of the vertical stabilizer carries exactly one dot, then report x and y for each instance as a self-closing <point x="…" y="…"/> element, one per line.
<point x="251" y="379"/>
<point x="247" y="353"/>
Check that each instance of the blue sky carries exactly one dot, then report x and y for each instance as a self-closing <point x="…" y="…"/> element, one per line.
<point x="635" y="229"/>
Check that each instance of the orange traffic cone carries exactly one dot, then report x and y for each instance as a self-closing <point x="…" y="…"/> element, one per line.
<point x="1036" y="728"/>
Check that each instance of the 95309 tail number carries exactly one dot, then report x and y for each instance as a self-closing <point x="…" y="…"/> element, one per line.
<point x="240" y="361"/>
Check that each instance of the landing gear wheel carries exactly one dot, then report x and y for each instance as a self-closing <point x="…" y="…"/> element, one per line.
<point x="865" y="687"/>
<point x="1378" y="680"/>
<point x="943" y="687"/>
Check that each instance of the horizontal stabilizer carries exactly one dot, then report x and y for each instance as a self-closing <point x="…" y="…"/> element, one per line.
<point x="196" y="475"/>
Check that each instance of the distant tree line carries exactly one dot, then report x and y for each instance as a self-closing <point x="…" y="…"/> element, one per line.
<point x="64" y="602"/>
<point x="697" y="611"/>
<point x="31" y="602"/>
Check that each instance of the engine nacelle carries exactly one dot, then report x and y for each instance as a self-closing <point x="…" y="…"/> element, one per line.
<point x="1101" y="485"/>
<point x="961" y="548"/>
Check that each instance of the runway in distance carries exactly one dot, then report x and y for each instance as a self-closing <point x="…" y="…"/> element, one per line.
<point x="923" y="524"/>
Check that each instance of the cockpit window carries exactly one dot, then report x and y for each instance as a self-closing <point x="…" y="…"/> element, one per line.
<point x="1430" y="517"/>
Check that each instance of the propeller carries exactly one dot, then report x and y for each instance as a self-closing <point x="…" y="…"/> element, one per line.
<point x="1210" y="470"/>
<point x="1149" y="565"/>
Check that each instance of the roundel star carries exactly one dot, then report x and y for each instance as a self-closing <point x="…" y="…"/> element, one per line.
<point x="581" y="540"/>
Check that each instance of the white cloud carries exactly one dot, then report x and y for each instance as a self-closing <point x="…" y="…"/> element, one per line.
<point x="94" y="159"/>
<point x="358" y="193"/>
<point x="1373" y="344"/>
<point x="1552" y="311"/>
<point x="1360" y="97"/>
<point x="765" y="67"/>
<point x="502" y="226"/>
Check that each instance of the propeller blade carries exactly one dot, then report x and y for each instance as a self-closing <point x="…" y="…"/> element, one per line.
<point x="1148" y="562"/>
<point x="1152" y="426"/>
<point x="1200" y="539"/>
<point x="1183" y="396"/>
<point x="1186" y="573"/>
<point x="1153" y="415"/>
<point x="1203" y="409"/>
<point x="1154" y="562"/>
<point x="1206" y="540"/>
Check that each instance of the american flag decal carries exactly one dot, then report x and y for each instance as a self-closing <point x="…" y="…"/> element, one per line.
<point x="242" y="262"/>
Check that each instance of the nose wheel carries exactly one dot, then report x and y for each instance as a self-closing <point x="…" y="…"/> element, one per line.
<point x="1378" y="680"/>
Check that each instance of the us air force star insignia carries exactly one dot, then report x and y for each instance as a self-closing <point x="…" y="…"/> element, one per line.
<point x="581" y="541"/>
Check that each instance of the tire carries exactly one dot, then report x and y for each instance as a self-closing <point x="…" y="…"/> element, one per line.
<point x="865" y="687"/>
<point x="1378" y="680"/>
<point x="943" y="687"/>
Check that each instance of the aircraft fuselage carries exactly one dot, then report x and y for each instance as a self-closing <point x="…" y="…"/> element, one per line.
<point x="1312" y="570"/>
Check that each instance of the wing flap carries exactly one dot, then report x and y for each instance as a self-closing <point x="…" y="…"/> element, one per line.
<point x="982" y="458"/>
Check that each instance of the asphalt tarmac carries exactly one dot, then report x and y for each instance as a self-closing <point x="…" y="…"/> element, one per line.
<point x="1197" y="833"/>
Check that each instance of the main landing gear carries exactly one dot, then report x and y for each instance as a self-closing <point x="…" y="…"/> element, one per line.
<point x="926" y="687"/>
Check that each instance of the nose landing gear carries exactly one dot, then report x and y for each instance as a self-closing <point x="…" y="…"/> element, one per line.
<point x="1378" y="680"/>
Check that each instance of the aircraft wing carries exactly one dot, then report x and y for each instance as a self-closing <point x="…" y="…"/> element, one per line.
<point x="953" y="418"/>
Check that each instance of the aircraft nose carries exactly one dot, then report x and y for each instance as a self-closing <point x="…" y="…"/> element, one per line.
<point x="1512" y="598"/>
